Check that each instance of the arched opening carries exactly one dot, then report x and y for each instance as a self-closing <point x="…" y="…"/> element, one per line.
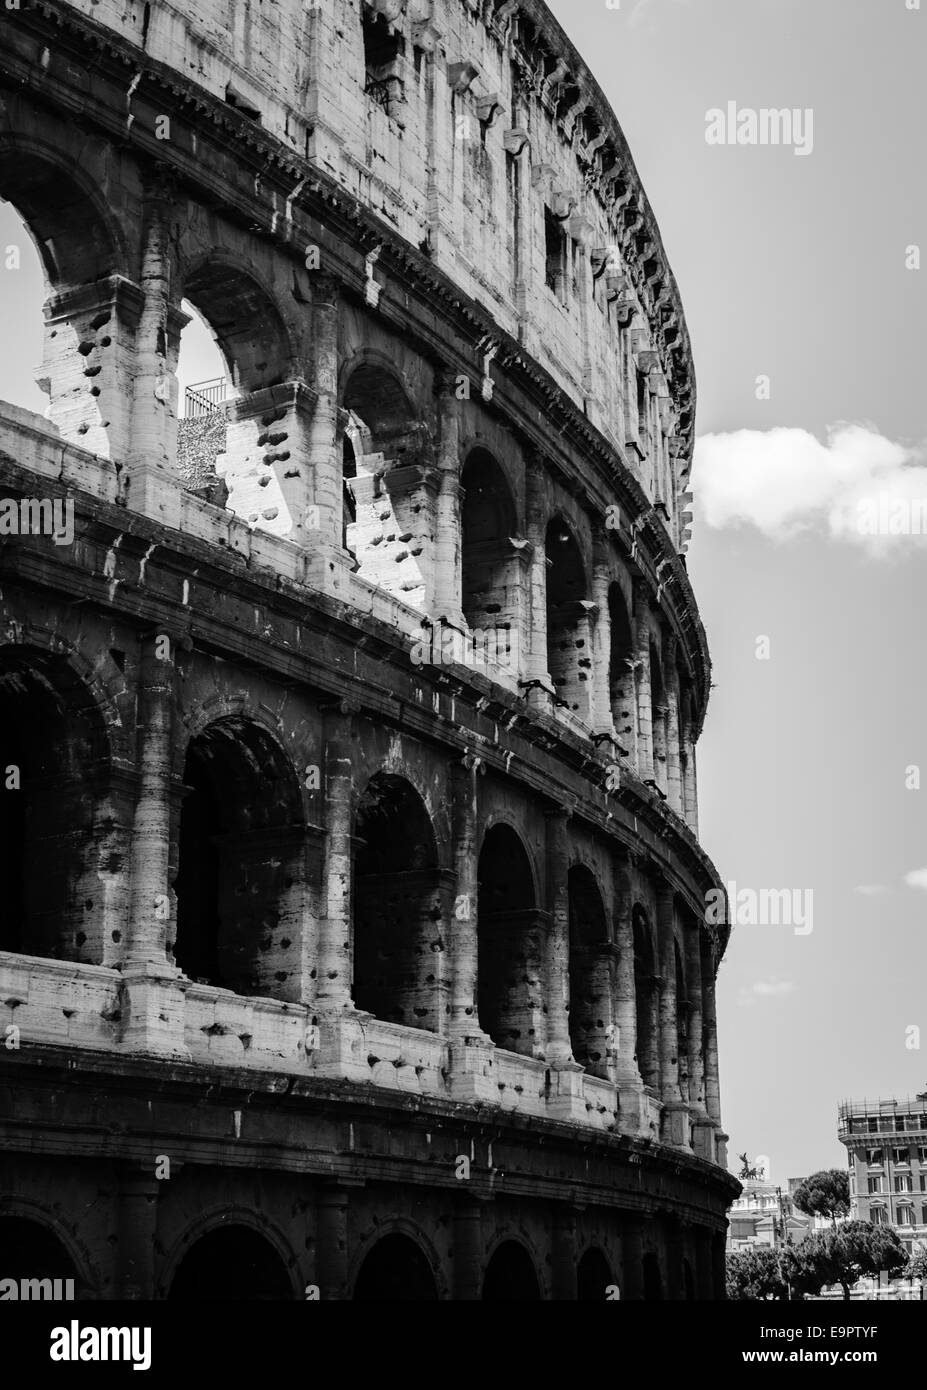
<point x="232" y="1264"/>
<point x="24" y="292"/>
<point x="591" y="993"/>
<point x="682" y="1024"/>
<point x="235" y="439"/>
<point x="387" y="483"/>
<point x="204" y="381"/>
<point x="653" y="1279"/>
<point x="241" y="878"/>
<point x="396" y="1270"/>
<point x="59" y="257"/>
<point x="593" y="1277"/>
<point x="30" y="1250"/>
<point x="569" y="648"/>
<point x="622" y="679"/>
<point x="53" y="751"/>
<point x="645" y="999"/>
<point x="510" y="945"/>
<point x="687" y="751"/>
<point x="489" y="560"/>
<point x="658" y="710"/>
<point x="398" y="951"/>
<point x="510" y="1276"/>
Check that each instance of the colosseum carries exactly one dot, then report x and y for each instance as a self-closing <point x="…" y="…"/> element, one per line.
<point x="353" y="935"/>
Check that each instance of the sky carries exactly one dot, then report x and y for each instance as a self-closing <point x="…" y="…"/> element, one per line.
<point x="807" y="315"/>
<point x="794" y="267"/>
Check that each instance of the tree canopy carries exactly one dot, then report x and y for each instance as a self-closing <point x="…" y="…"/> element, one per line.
<point x="842" y="1256"/>
<point x="824" y="1194"/>
<point x="754" y="1273"/>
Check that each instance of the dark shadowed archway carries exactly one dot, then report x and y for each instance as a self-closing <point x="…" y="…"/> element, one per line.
<point x="510" y="1276"/>
<point x="591" y="992"/>
<point x="489" y="559"/>
<point x="593" y="1277"/>
<point x="232" y="1264"/>
<point x="395" y="1270"/>
<point x="569" y="646"/>
<point x="397" y="906"/>
<point x="510" y="944"/>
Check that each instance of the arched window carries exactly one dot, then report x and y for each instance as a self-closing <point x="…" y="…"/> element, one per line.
<point x="52" y="751"/>
<point x="653" y="1279"/>
<point x="591" y="995"/>
<point x="240" y="882"/>
<point x="510" y="944"/>
<point x="489" y="561"/>
<point x="31" y="1250"/>
<point x="395" y="1270"/>
<point x="593" y="1277"/>
<point x="569" y="646"/>
<point x="386" y="475"/>
<point x="510" y="1276"/>
<point x="397" y="907"/>
<point x="232" y="1264"/>
<point x="622" y="682"/>
<point x="645" y="999"/>
<point x="234" y="442"/>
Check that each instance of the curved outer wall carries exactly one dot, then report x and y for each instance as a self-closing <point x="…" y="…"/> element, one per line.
<point x="356" y="935"/>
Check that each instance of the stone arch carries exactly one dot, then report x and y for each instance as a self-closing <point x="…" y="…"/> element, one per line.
<point x="510" y="944"/>
<point x="396" y="1266"/>
<point x="243" y="314"/>
<point x="76" y="234"/>
<point x="621" y="671"/>
<point x="34" y="1245"/>
<point x="490" y="566"/>
<point x="645" y="994"/>
<point x="398" y="905"/>
<point x="55" y="835"/>
<point x="591" y="982"/>
<point x="569" y="637"/>
<point x="241" y="851"/>
<point x="511" y="1275"/>
<point x="385" y="477"/>
<point x="593" y="1276"/>
<point x="230" y="1257"/>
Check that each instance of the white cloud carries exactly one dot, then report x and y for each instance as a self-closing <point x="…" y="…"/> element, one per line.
<point x="764" y="989"/>
<point x="857" y="486"/>
<point x="917" y="878"/>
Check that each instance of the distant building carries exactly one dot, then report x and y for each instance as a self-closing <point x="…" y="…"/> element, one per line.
<point x="887" y="1150"/>
<point x="765" y="1215"/>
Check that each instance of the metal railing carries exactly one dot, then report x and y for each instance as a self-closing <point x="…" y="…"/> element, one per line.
<point x="205" y="397"/>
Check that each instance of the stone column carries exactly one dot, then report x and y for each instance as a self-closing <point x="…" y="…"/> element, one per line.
<point x="331" y="1263"/>
<point x="535" y="640"/>
<point x="558" y="1050"/>
<point x="463" y="934"/>
<point x="629" y="1078"/>
<point x="675" y="1278"/>
<point x="325" y="466"/>
<point x="673" y="765"/>
<point x="563" y="1255"/>
<point x="446" y="581"/>
<point x="602" y="721"/>
<point x="690" y="788"/>
<point x="153" y="1004"/>
<point x="641" y="626"/>
<point x="151" y="480"/>
<point x="468" y="1250"/>
<point x="659" y="718"/>
<point x="269" y="467"/>
<point x="632" y="1259"/>
<point x="136" y="1225"/>
<point x="333" y="991"/>
<point x="675" y="1111"/>
<point x="696" y="1061"/>
<point x="710" y="1040"/>
<point x="703" y="1270"/>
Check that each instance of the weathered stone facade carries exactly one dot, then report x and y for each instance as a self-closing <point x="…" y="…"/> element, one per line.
<point x="354" y="932"/>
